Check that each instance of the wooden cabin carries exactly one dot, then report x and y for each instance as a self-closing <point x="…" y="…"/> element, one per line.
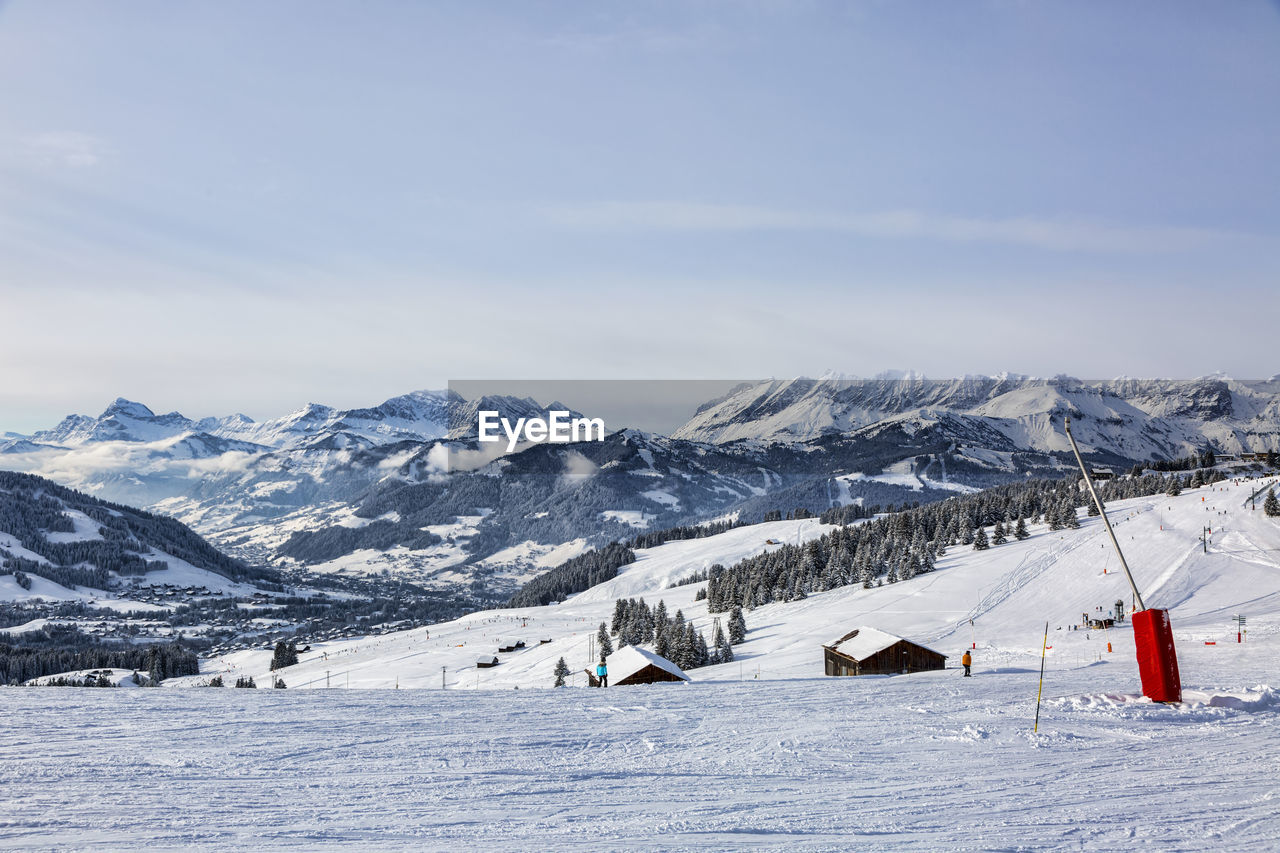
<point x="633" y="665"/>
<point x="869" y="651"/>
<point x="486" y="661"/>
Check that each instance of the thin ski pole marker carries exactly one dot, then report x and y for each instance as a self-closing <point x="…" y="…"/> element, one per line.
<point x="1043" y="647"/>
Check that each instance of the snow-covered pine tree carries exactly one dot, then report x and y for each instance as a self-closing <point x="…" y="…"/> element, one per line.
<point x="682" y="646"/>
<point x="602" y="640"/>
<point x="646" y="624"/>
<point x="1069" y="518"/>
<point x="723" y="653"/>
<point x="1271" y="506"/>
<point x="286" y="654"/>
<point x="1020" y="531"/>
<point x="980" y="542"/>
<point x="998" y="536"/>
<point x="910" y="566"/>
<point x="702" y="654"/>
<point x="737" y="626"/>
<point x="675" y="635"/>
<point x="662" y="642"/>
<point x="562" y="671"/>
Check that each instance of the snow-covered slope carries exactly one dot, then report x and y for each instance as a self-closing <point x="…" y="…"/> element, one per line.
<point x="60" y="545"/>
<point x="1009" y="592"/>
<point x="761" y="753"/>
<point x="933" y="762"/>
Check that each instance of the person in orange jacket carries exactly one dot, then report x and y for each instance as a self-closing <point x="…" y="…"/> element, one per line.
<point x="966" y="660"/>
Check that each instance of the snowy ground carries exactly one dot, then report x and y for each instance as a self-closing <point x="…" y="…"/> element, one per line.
<point x="762" y="753"/>
<point x="931" y="761"/>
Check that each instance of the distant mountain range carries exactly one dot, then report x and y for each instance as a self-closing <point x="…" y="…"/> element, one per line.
<point x="1134" y="418"/>
<point x="369" y="491"/>
<point x="419" y="416"/>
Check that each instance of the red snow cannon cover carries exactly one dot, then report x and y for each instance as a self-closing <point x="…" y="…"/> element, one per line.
<point x="1157" y="660"/>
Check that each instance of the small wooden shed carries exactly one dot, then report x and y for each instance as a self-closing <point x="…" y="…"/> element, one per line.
<point x="486" y="661"/>
<point x="870" y="651"/>
<point x="634" y="665"/>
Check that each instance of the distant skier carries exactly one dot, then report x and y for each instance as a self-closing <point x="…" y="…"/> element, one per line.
<point x="966" y="661"/>
<point x="602" y="673"/>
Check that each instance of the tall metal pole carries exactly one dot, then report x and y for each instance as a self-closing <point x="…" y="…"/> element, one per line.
<point x="1088" y="481"/>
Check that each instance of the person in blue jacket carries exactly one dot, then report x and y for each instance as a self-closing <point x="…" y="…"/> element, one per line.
<point x="602" y="673"/>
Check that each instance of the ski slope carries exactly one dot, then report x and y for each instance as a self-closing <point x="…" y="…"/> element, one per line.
<point x="927" y="762"/>
<point x="764" y="753"/>
<point x="1009" y="591"/>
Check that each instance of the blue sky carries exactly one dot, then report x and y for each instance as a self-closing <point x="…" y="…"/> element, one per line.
<point x="245" y="206"/>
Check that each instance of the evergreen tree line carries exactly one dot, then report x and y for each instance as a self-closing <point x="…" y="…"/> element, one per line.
<point x="22" y="663"/>
<point x="602" y="564"/>
<point x="87" y="681"/>
<point x="68" y="576"/>
<point x="329" y="543"/>
<point x="796" y="514"/>
<point x="694" y="577"/>
<point x="905" y="544"/>
<point x="1202" y="477"/>
<point x="688" y="531"/>
<point x="673" y="638"/>
<point x="574" y="575"/>
<point x="1207" y="459"/>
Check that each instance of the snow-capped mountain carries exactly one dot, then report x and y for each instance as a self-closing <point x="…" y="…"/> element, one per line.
<point x="123" y="420"/>
<point x="1135" y="419"/>
<point x="293" y="489"/>
<point x="417" y="416"/>
<point x="463" y="414"/>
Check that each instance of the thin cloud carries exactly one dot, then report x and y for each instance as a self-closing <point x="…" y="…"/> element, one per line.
<point x="1048" y="234"/>
<point x="65" y="148"/>
<point x="577" y="469"/>
<point x="79" y="466"/>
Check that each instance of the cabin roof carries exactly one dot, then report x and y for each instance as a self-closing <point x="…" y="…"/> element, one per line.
<point x="629" y="660"/>
<point x="861" y="643"/>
